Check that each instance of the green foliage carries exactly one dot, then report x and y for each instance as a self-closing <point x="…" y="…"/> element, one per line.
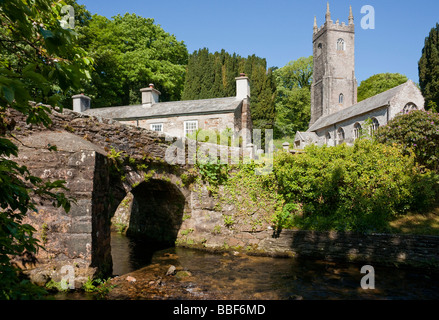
<point x="417" y="131"/>
<point x="428" y="70"/>
<point x="359" y="188"/>
<point x="130" y="52"/>
<point x="379" y="83"/>
<point x="212" y="75"/>
<point x="39" y="61"/>
<point x="212" y="170"/>
<point x="254" y="197"/>
<point x="293" y="101"/>
<point x="225" y="137"/>
<point x="101" y="288"/>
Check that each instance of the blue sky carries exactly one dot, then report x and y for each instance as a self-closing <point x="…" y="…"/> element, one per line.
<point x="281" y="30"/>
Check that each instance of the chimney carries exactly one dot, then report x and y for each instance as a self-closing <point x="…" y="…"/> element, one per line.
<point x="150" y="96"/>
<point x="81" y="103"/>
<point x="242" y="87"/>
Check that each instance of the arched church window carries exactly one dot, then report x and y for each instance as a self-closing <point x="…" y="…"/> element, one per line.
<point x="357" y="130"/>
<point x="340" y="136"/>
<point x="409" y="107"/>
<point x="341" y="98"/>
<point x="341" y="45"/>
<point x="375" y="126"/>
<point x="328" y="137"/>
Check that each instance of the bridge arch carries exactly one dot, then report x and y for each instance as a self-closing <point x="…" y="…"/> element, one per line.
<point x="152" y="208"/>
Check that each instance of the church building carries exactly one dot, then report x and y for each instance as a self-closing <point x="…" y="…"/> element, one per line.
<point x="336" y="116"/>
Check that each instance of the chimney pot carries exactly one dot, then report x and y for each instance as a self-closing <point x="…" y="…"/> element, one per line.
<point x="242" y="87"/>
<point x="81" y="103"/>
<point x="150" y="95"/>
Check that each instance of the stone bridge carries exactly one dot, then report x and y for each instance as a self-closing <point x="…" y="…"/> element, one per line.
<point x="102" y="161"/>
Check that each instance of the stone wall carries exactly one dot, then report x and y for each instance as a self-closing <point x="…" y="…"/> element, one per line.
<point x="69" y="238"/>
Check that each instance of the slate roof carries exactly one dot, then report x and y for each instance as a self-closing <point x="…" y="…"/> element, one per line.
<point x="375" y="102"/>
<point x="304" y="136"/>
<point x="169" y="109"/>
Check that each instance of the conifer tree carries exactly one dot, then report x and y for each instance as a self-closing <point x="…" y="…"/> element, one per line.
<point x="429" y="69"/>
<point x="212" y="75"/>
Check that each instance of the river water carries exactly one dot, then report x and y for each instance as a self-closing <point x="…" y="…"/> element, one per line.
<point x="241" y="277"/>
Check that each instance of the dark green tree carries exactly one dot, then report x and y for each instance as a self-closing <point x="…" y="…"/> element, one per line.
<point x="212" y="75"/>
<point x="417" y="131"/>
<point x="429" y="69"/>
<point x="379" y="83"/>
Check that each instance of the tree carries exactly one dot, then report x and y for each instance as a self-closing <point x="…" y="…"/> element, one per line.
<point x="379" y="83"/>
<point x="429" y="69"/>
<point x="130" y="52"/>
<point x="39" y="60"/>
<point x="293" y="102"/>
<point x="417" y="131"/>
<point x="212" y="75"/>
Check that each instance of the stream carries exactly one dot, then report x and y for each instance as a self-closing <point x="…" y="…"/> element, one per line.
<point x="229" y="276"/>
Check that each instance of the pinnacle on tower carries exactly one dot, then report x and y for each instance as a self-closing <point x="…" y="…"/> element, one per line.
<point x="328" y="13"/>
<point x="351" y="16"/>
<point x="315" y="24"/>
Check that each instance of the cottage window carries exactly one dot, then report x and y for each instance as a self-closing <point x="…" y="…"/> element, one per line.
<point x="190" y="127"/>
<point x="341" y="45"/>
<point x="157" y="127"/>
<point x="357" y="130"/>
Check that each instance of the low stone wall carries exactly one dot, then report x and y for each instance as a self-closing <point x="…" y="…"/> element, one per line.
<point x="376" y="249"/>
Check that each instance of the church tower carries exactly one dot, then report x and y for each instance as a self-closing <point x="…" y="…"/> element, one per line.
<point x="334" y="84"/>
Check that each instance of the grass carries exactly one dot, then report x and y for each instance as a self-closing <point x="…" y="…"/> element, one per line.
<point x="278" y="142"/>
<point x="421" y="224"/>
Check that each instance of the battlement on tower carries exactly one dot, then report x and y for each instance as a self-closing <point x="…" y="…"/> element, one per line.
<point x="330" y="25"/>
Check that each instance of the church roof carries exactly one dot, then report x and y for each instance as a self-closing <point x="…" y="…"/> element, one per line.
<point x="169" y="109"/>
<point x="304" y="136"/>
<point x="365" y="106"/>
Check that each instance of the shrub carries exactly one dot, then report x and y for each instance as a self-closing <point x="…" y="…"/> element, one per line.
<point x="359" y="188"/>
<point x="417" y="131"/>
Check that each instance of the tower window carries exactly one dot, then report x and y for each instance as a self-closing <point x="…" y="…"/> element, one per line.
<point x="341" y="45"/>
<point x="341" y="98"/>
<point x="319" y="49"/>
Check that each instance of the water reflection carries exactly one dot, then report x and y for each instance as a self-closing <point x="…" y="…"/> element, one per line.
<point x="246" y="277"/>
